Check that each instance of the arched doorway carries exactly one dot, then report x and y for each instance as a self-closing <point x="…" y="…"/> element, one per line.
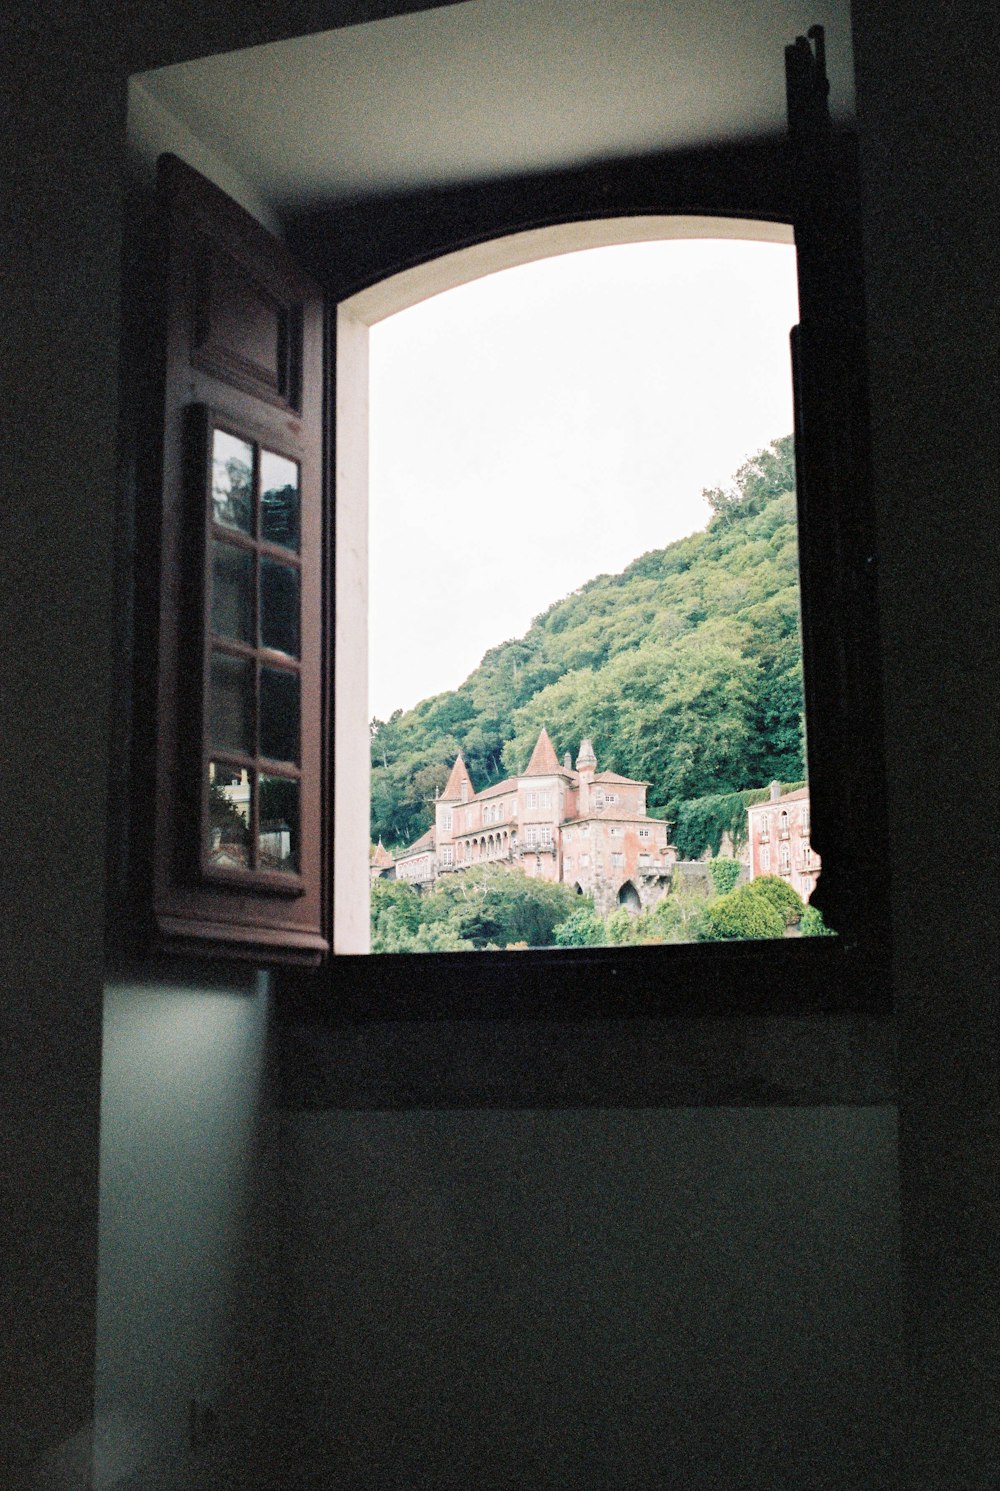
<point x="628" y="897"/>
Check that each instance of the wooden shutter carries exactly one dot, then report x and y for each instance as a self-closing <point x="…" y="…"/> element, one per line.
<point x="238" y="849"/>
<point x="839" y="609"/>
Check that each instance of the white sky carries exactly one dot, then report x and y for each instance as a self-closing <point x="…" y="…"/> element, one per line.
<point x="550" y="423"/>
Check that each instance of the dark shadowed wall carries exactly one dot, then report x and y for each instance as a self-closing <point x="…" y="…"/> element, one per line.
<point x="927" y="119"/>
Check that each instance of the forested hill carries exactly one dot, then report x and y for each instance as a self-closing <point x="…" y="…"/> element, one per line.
<point x="684" y="670"/>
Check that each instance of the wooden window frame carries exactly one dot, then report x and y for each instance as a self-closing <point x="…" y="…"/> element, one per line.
<point x="845" y="973"/>
<point x="190" y="913"/>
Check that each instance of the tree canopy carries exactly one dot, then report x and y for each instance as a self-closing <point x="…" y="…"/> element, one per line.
<point x="685" y="671"/>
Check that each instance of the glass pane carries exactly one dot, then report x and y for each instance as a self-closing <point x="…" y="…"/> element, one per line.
<point x="279" y="607"/>
<point x="232" y="577"/>
<point x="278" y="841"/>
<point x="279" y="500"/>
<point x="279" y="714"/>
<point x="228" y="816"/>
<point x="231" y="704"/>
<point x="232" y="481"/>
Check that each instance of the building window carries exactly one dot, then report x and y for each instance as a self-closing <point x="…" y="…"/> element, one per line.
<point x="616" y="832"/>
<point x="617" y="861"/>
<point x="785" y="860"/>
<point x="765" y="827"/>
<point x="783" y="824"/>
<point x="446" y="854"/>
<point x="446" y="820"/>
<point x="765" y="858"/>
<point x="644" y="833"/>
<point x="611" y="797"/>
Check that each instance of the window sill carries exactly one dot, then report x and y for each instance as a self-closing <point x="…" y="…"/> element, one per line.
<point x="791" y="1023"/>
<point x="791" y="976"/>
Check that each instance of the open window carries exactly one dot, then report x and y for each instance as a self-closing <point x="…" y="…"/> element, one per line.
<point x="236" y="461"/>
<point x="261" y="754"/>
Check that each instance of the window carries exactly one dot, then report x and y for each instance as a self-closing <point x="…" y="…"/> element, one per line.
<point x="765" y="827"/>
<point x="617" y="861"/>
<point x="446" y="818"/>
<point x="233" y="500"/>
<point x="644" y="833"/>
<point x="783" y="824"/>
<point x="765" y="858"/>
<point x="851" y="703"/>
<point x="616" y="832"/>
<point x="611" y="797"/>
<point x="447" y="854"/>
<point x="785" y="859"/>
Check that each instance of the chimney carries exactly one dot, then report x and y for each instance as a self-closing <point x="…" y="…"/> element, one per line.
<point x="586" y="765"/>
<point x="567" y="762"/>
<point x="775" y="791"/>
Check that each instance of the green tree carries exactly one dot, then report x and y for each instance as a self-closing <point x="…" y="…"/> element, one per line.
<point x="582" y="928"/>
<point x="724" y="872"/>
<point x="741" y="915"/>
<point x="500" y="905"/>
<point x="811" y="923"/>
<point x="684" y="670"/>
<point x="779" y="895"/>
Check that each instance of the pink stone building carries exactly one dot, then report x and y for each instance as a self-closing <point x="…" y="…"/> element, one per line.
<point x="580" y="826"/>
<point x="779" y="840"/>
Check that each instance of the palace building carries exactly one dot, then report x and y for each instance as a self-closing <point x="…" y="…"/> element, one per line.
<point x="779" y="839"/>
<point x="577" y="825"/>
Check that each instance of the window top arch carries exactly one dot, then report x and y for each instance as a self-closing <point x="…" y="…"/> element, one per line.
<point x="407" y="288"/>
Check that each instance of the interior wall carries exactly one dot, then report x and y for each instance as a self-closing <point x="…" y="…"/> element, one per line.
<point x="929" y="146"/>
<point x="927" y="115"/>
<point x="186" y="1164"/>
<point x="187" y="1156"/>
<point x="605" y="1299"/>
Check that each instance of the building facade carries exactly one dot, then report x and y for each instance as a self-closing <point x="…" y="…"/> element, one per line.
<point x="778" y="834"/>
<point x="574" y="825"/>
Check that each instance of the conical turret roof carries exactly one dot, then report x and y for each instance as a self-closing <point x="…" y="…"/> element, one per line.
<point x="458" y="779"/>
<point x="544" y="761"/>
<point x="381" y="857"/>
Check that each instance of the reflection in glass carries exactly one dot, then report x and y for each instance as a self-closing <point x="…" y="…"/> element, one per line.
<point x="232" y="481"/>
<point x="279" y="500"/>
<point x="228" y="830"/>
<point x="279" y="607"/>
<point x="278" y="840"/>
<point x="279" y="714"/>
<point x="231" y="703"/>
<point x="232" y="577"/>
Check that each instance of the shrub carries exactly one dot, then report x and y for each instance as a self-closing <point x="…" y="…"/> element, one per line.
<point x="583" y="928"/>
<point x="724" y="872"/>
<point x="811" y="923"/>
<point x="779" y="894"/>
<point x="741" y="915"/>
<point x="620" y="928"/>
